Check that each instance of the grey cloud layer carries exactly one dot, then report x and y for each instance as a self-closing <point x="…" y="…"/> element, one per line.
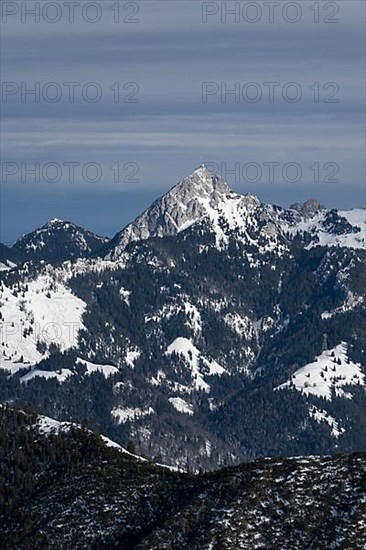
<point x="169" y="53"/>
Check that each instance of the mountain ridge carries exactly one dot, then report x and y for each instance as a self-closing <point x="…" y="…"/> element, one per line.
<point x="69" y="489"/>
<point x="55" y="241"/>
<point x="203" y="195"/>
<point x="200" y="196"/>
<point x="180" y="342"/>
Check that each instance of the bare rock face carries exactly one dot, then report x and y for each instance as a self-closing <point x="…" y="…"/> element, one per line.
<point x="198" y="196"/>
<point x="308" y="209"/>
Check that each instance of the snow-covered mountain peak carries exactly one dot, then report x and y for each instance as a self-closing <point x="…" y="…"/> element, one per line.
<point x="201" y="196"/>
<point x="205" y="198"/>
<point x="56" y="221"/>
<point x="56" y="224"/>
<point x="56" y="240"/>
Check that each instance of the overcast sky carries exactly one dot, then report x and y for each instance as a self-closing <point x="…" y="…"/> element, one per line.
<point x="153" y="122"/>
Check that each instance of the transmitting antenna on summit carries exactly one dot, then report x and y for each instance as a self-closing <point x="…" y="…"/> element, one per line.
<point x="325" y="341"/>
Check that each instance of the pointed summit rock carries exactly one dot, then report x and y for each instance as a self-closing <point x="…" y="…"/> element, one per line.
<point x="203" y="181"/>
<point x="201" y="195"/>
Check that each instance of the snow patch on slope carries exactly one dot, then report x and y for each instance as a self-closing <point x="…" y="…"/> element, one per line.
<point x="192" y="356"/>
<point x="106" y="370"/>
<point x="181" y="406"/>
<point x="48" y="312"/>
<point x="48" y="426"/>
<point x="242" y="326"/>
<point x="193" y="317"/>
<point x="131" y="357"/>
<point x="356" y="217"/>
<point x="319" y="415"/>
<point x="125" y="295"/>
<point x="7" y="265"/>
<point x="60" y="375"/>
<point x="332" y="370"/>
<point x="122" y="415"/>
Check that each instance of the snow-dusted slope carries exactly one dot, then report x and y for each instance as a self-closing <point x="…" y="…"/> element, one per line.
<point x="47" y="426"/>
<point x="195" y="361"/>
<point x="345" y="228"/>
<point x="320" y="416"/>
<point x="75" y="493"/>
<point x="121" y="415"/>
<point x="181" y="405"/>
<point x="55" y="241"/>
<point x="36" y="314"/>
<point x="106" y="370"/>
<point x="356" y="217"/>
<point x="331" y="371"/>
<point x="7" y="265"/>
<point x="61" y="375"/>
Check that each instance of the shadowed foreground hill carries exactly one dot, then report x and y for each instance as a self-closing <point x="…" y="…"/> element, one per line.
<point x="64" y="487"/>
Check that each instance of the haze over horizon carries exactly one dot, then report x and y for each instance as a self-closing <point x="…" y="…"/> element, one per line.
<point x="181" y="101"/>
<point x="144" y="200"/>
